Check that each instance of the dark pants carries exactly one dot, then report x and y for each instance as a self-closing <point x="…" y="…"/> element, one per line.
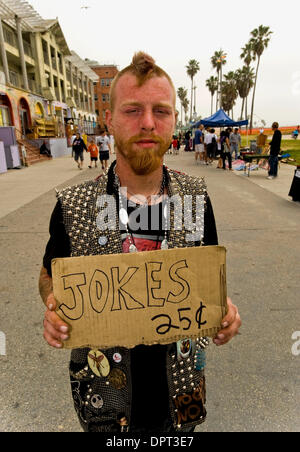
<point x="228" y="156"/>
<point x="273" y="163"/>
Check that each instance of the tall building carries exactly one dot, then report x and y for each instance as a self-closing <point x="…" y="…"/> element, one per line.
<point x="46" y="90"/>
<point x="106" y="74"/>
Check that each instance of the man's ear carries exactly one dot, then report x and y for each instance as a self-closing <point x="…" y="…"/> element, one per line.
<point x="108" y="120"/>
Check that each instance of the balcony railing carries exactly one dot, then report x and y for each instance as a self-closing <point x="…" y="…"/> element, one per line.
<point x="27" y="49"/>
<point x="10" y="37"/>
<point x="14" y="79"/>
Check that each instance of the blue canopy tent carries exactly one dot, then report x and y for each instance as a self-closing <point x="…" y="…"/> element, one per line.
<point x="220" y="119"/>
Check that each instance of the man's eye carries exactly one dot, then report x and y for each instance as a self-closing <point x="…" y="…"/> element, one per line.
<point x="162" y="111"/>
<point x="132" y="111"/>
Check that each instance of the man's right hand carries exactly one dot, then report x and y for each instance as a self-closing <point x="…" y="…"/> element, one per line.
<point x="55" y="330"/>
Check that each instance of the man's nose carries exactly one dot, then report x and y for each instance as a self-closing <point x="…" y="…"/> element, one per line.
<point x="147" y="121"/>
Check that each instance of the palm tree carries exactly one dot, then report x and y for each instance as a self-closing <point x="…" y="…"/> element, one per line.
<point x="229" y="92"/>
<point x="246" y="54"/>
<point x="218" y="60"/>
<point x="259" y="42"/>
<point x="182" y="94"/>
<point x="244" y="82"/>
<point x="212" y="85"/>
<point x="192" y="68"/>
<point x="185" y="105"/>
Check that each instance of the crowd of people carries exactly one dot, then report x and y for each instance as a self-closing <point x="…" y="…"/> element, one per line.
<point x="99" y="148"/>
<point x="208" y="146"/>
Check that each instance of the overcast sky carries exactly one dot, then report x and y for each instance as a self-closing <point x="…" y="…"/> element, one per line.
<point x="175" y="31"/>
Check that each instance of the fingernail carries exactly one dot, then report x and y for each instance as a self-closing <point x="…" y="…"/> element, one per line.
<point x="64" y="337"/>
<point x="50" y="307"/>
<point x="217" y="342"/>
<point x="58" y="345"/>
<point x="221" y="336"/>
<point x="64" y="329"/>
<point x="225" y="325"/>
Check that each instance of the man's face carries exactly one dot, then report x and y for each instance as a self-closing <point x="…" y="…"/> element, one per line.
<point x="143" y="121"/>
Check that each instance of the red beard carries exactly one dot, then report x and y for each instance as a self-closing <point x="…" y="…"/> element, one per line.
<point x="143" y="161"/>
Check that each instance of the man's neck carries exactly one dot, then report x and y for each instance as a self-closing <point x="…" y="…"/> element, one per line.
<point x="138" y="185"/>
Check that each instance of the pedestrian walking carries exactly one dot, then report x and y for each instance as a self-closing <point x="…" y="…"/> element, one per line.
<point x="104" y="145"/>
<point x="226" y="151"/>
<point x="211" y="145"/>
<point x="143" y="398"/>
<point x="295" y="187"/>
<point x="78" y="148"/>
<point x="199" y="145"/>
<point x="275" y="145"/>
<point x="175" y="145"/>
<point x="235" y="143"/>
<point x="187" y="138"/>
<point x="94" y="152"/>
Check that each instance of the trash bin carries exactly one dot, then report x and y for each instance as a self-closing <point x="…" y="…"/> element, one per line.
<point x="295" y="187"/>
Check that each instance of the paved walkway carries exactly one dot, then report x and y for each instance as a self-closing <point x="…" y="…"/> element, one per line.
<point x="19" y="187"/>
<point x="279" y="186"/>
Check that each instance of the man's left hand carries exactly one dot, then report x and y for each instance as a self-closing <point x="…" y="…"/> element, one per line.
<point x="230" y="325"/>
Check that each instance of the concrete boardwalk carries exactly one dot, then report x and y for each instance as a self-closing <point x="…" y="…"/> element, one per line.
<point x="19" y="187"/>
<point x="253" y="383"/>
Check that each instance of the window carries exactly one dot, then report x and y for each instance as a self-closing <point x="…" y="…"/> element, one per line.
<point x="103" y="82"/>
<point x="5" y="120"/>
<point x="9" y="37"/>
<point x="14" y="78"/>
<point x="39" y="111"/>
<point x="105" y="97"/>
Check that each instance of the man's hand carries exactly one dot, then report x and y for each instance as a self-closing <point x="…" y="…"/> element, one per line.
<point x="230" y="324"/>
<point x="55" y="330"/>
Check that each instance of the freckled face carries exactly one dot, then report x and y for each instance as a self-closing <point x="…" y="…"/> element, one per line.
<point x="143" y="121"/>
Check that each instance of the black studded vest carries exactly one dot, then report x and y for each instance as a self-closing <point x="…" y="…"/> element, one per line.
<point x="81" y="210"/>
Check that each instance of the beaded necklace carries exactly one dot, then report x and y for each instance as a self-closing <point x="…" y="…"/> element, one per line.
<point x="124" y="218"/>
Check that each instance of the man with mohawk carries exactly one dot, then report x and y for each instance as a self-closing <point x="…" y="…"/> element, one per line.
<point x="158" y="388"/>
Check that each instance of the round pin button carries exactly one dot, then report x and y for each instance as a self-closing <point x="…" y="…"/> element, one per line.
<point x="98" y="363"/>
<point x="117" y="358"/>
<point x="97" y="401"/>
<point x="103" y="241"/>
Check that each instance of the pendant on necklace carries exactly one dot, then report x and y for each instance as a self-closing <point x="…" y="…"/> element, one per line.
<point x="124" y="216"/>
<point x="164" y="244"/>
<point x="132" y="249"/>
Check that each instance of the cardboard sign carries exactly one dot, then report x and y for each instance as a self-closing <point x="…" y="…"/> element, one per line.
<point x="142" y="298"/>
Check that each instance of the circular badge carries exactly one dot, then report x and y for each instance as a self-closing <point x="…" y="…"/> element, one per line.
<point x="97" y="401"/>
<point x="98" y="363"/>
<point x="117" y="379"/>
<point x="117" y="358"/>
<point x="103" y="240"/>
